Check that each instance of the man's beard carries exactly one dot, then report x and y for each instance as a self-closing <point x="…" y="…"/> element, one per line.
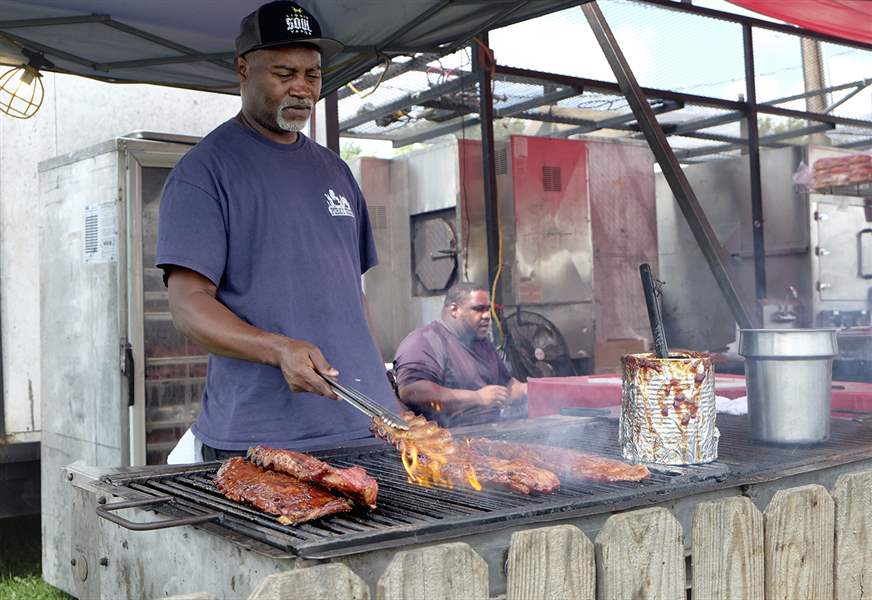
<point x="288" y="124"/>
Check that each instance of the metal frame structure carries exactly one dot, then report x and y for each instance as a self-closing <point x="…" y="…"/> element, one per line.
<point x="646" y="102"/>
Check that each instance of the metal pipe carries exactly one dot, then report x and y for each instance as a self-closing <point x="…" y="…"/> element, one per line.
<point x="754" y="167"/>
<point x="405" y="102"/>
<point x="769" y="140"/>
<point x="759" y="23"/>
<point x="715" y="255"/>
<point x="331" y="121"/>
<point x="507" y="111"/>
<point x="861" y="85"/>
<point x="614" y="88"/>
<point x="489" y="176"/>
<point x="618" y="121"/>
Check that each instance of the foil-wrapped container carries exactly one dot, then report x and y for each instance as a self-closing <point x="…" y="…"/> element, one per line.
<point x="668" y="411"/>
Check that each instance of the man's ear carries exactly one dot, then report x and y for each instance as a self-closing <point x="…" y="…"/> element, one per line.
<point x="242" y="68"/>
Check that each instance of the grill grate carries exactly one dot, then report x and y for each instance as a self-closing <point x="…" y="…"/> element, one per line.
<point x="408" y="513"/>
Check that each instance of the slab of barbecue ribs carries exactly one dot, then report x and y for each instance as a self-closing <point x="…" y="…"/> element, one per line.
<point x="353" y="482"/>
<point x="568" y="464"/>
<point x="294" y="501"/>
<point x="456" y="463"/>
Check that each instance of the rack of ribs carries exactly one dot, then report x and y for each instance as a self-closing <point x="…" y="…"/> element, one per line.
<point x="568" y="464"/>
<point x="353" y="482"/>
<point x="294" y="501"/>
<point x="433" y="450"/>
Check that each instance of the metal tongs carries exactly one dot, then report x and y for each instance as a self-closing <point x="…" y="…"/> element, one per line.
<point x="364" y="404"/>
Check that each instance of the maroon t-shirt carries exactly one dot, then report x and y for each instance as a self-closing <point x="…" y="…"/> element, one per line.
<point x="434" y="353"/>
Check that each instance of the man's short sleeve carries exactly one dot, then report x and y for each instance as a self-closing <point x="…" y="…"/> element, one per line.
<point x="192" y="232"/>
<point x="418" y="360"/>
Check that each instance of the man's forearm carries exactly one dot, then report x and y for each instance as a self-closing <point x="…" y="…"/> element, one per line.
<point x="425" y="393"/>
<point x="213" y="326"/>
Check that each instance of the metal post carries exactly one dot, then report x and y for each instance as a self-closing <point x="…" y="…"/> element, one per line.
<point x="483" y="65"/>
<point x="715" y="255"/>
<point x="331" y="117"/>
<point x="754" y="164"/>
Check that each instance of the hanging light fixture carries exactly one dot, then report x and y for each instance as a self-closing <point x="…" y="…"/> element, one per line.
<point x="21" y="89"/>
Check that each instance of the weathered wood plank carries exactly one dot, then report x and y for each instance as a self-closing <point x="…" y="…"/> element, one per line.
<point x="322" y="582"/>
<point x="727" y="550"/>
<point x="640" y="554"/>
<point x="444" y="572"/>
<point x="551" y="563"/>
<point x="853" y="549"/>
<point x="799" y="534"/>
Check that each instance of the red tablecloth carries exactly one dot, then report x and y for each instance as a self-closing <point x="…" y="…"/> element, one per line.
<point x="546" y="396"/>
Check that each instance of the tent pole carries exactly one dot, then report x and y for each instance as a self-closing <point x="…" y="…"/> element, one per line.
<point x="331" y="118"/>
<point x="483" y="65"/>
<point x="754" y="164"/>
<point x="714" y="253"/>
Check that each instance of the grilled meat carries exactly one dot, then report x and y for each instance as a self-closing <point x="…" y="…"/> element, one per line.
<point x="353" y="482"/>
<point x="293" y="500"/>
<point x="447" y="461"/>
<point x="568" y="464"/>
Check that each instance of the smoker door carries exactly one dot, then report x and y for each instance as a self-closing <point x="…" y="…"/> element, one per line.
<point x="169" y="371"/>
<point x="843" y="252"/>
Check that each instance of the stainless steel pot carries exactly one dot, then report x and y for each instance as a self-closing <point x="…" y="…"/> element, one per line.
<point x="789" y="375"/>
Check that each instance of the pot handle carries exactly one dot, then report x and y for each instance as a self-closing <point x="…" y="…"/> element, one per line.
<point x="105" y="511"/>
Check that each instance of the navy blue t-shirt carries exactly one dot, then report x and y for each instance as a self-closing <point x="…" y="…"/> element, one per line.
<point x="282" y="230"/>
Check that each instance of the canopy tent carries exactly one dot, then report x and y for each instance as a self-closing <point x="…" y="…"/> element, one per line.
<point x="191" y="44"/>
<point x="847" y="19"/>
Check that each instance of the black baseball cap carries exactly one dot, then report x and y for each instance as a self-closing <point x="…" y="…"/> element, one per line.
<point x="282" y="23"/>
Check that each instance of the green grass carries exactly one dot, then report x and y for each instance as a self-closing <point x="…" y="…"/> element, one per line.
<point x="20" y="555"/>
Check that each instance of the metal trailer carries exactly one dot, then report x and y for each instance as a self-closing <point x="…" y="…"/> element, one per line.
<point x="119" y="384"/>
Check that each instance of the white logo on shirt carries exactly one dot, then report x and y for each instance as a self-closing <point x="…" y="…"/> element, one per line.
<point x="338" y="205"/>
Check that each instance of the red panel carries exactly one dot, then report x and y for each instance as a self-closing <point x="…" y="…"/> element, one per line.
<point x="849" y="19"/>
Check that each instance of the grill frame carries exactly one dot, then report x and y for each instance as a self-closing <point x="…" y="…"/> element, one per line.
<point x="409" y="514"/>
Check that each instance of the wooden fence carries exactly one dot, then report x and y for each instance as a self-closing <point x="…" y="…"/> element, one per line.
<point x="808" y="544"/>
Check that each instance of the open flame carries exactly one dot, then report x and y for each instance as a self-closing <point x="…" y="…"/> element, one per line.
<point x="427" y="467"/>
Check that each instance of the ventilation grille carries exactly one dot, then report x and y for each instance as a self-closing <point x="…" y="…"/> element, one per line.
<point x="551" y="179"/>
<point x="378" y="215"/>
<point x="92" y="230"/>
<point x="501" y="162"/>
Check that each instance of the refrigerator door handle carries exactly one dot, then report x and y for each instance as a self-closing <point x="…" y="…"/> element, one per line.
<point x="127" y="370"/>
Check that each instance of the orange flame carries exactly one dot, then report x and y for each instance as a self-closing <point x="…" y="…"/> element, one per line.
<point x="471" y="478"/>
<point x="426" y="467"/>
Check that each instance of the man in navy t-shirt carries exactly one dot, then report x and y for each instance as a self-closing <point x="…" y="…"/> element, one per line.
<point x="263" y="238"/>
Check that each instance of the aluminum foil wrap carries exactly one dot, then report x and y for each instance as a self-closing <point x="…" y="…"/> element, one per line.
<point x="668" y="412"/>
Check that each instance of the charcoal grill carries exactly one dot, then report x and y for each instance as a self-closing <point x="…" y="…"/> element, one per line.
<point x="410" y="514"/>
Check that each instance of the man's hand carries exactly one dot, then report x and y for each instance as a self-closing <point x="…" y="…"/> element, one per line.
<point x="491" y="395"/>
<point x="517" y="391"/>
<point x="299" y="361"/>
